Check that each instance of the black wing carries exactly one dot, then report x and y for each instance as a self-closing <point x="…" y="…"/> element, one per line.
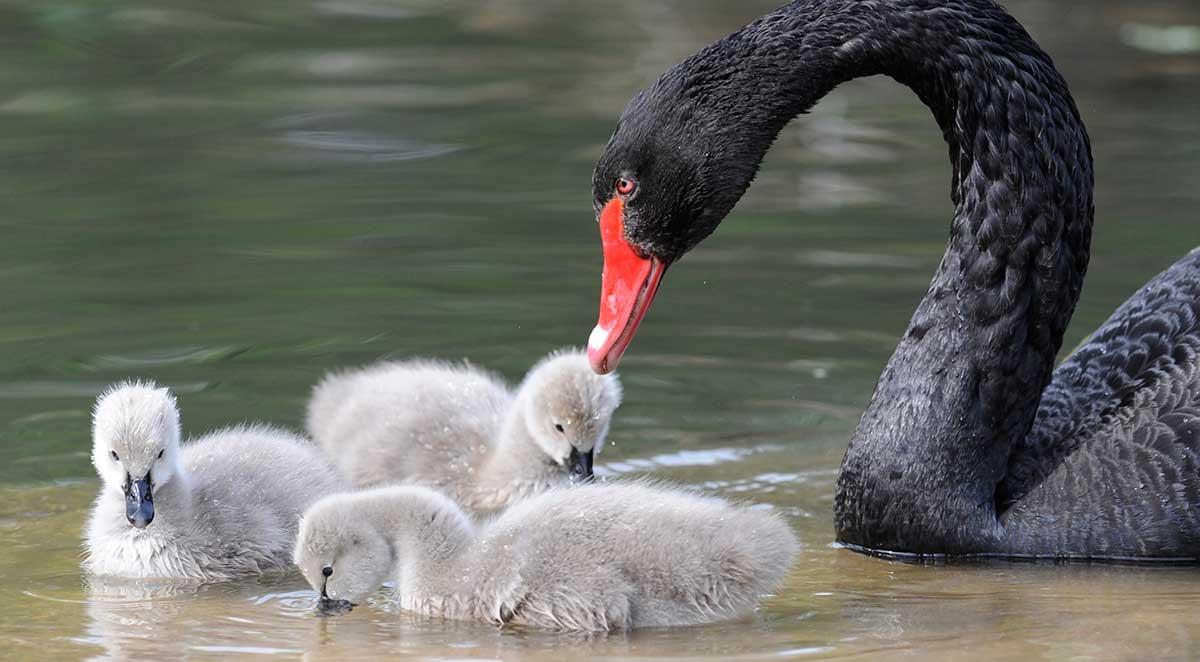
<point x="1112" y="464"/>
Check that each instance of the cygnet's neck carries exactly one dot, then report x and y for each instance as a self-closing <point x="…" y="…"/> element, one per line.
<point x="516" y="455"/>
<point x="426" y="530"/>
<point x="177" y="490"/>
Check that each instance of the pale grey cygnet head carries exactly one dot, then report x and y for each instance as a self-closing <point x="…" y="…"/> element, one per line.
<point x="135" y="444"/>
<point x="341" y="553"/>
<point x="568" y="409"/>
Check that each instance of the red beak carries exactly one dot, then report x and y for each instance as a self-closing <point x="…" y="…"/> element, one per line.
<point x="627" y="288"/>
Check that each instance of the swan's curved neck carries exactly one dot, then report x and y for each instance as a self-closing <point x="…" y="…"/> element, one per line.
<point x="962" y="388"/>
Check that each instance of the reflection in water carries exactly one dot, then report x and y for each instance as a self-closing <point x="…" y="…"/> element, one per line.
<point x="235" y="197"/>
<point x="835" y="604"/>
<point x="993" y="610"/>
<point x="133" y="620"/>
<point x="140" y="622"/>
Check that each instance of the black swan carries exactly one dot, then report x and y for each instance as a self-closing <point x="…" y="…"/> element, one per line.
<point x="972" y="444"/>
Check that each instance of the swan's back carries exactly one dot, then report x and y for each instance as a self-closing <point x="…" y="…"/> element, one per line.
<point x="634" y="555"/>
<point x="397" y="421"/>
<point x="1113" y="460"/>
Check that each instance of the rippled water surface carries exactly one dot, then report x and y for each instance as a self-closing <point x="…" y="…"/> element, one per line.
<point x="234" y="197"/>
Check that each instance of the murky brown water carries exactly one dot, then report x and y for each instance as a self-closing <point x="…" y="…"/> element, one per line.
<point x="233" y="197"/>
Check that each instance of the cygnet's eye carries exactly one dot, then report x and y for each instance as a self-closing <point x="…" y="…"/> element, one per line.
<point x="160" y="453"/>
<point x="559" y="427"/>
<point x="327" y="571"/>
<point x="114" y="456"/>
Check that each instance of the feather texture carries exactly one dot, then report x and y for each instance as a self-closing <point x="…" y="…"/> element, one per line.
<point x="972" y="444"/>
<point x="225" y="505"/>
<point x="590" y="558"/>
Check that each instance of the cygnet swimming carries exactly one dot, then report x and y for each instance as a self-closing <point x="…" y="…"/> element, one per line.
<point x="221" y="506"/>
<point x="591" y="558"/>
<point x="457" y="428"/>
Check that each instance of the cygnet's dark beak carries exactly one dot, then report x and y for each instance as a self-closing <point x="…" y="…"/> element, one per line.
<point x="139" y="501"/>
<point x="329" y="607"/>
<point x="580" y="465"/>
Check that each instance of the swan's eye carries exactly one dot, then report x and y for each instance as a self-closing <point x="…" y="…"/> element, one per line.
<point x="559" y="427"/>
<point x="160" y="453"/>
<point x="114" y="455"/>
<point x="626" y="186"/>
<point x="327" y="571"/>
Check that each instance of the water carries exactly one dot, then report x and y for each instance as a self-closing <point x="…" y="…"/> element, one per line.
<point x="234" y="197"/>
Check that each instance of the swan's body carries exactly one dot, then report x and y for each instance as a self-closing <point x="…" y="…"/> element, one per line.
<point x="968" y="445"/>
<point x="590" y="558"/>
<point x="460" y="430"/>
<point x="221" y="506"/>
<point x="1112" y="463"/>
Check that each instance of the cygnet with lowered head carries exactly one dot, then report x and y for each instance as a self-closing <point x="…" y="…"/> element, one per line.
<point x="460" y="429"/>
<point x="591" y="558"/>
<point x="221" y="506"/>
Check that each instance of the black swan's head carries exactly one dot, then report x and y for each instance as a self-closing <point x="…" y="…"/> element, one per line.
<point x="683" y="153"/>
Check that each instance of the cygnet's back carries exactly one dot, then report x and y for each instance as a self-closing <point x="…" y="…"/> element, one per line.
<point x="249" y="483"/>
<point x="410" y="421"/>
<point x="658" y="556"/>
